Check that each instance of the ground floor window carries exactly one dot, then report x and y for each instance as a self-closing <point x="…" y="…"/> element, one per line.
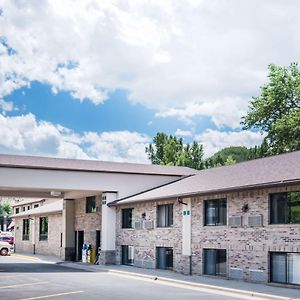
<point x="164" y="258"/>
<point x="214" y="262"/>
<point x="285" y="267"/>
<point x="128" y="255"/>
<point x="26" y="228"/>
<point x="43" y="228"/>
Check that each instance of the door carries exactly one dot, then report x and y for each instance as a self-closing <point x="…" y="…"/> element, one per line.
<point x="164" y="258"/>
<point x="79" y="240"/>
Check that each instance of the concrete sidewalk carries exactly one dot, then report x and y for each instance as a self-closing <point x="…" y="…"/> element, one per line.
<point x="211" y="284"/>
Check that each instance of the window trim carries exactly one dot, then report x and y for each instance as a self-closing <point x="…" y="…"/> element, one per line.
<point x="167" y="221"/>
<point x="88" y="208"/>
<point x="43" y="236"/>
<point x="128" y="224"/>
<point x="26" y="237"/>
<point x="286" y="268"/>
<point x="288" y="212"/>
<point x="204" y="212"/>
<point x="215" y="262"/>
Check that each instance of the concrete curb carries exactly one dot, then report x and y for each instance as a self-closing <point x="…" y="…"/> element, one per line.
<point x="224" y="290"/>
<point x="230" y="291"/>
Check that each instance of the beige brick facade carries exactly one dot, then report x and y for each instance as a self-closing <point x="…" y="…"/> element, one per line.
<point x="51" y="246"/>
<point x="88" y="222"/>
<point x="247" y="246"/>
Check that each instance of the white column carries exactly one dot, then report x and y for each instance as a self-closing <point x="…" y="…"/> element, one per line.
<point x="186" y="227"/>
<point x="108" y="214"/>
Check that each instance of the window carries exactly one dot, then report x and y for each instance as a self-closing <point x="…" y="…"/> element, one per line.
<point x="127" y="218"/>
<point x="164" y="258"/>
<point x="128" y="255"/>
<point x="285" y="208"/>
<point x="26" y="228"/>
<point x="35" y="206"/>
<point x="214" y="262"/>
<point x="28" y="207"/>
<point x="17" y="210"/>
<point x="215" y="212"/>
<point x="165" y="215"/>
<point x="23" y="208"/>
<point x="90" y="204"/>
<point x="43" y="228"/>
<point x="285" y="267"/>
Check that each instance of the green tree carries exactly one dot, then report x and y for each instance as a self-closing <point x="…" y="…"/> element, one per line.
<point x="5" y="209"/>
<point x="276" y="112"/>
<point x="170" y="150"/>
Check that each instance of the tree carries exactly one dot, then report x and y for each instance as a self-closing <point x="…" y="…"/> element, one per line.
<point x="5" y="209"/>
<point x="170" y="150"/>
<point x="276" y="112"/>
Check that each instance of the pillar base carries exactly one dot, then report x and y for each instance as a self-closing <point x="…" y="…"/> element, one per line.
<point x="107" y="257"/>
<point x="68" y="254"/>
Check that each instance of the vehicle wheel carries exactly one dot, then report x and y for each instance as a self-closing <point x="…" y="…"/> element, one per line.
<point x="4" y="251"/>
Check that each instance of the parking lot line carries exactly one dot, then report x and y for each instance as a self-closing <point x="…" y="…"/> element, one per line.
<point x="23" y="284"/>
<point x="53" y="295"/>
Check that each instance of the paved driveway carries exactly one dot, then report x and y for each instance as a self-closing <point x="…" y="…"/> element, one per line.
<point x="29" y="278"/>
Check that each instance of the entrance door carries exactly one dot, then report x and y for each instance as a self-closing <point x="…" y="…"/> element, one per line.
<point x="79" y="240"/>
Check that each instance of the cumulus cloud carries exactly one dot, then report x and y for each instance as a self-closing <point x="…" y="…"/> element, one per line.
<point x="25" y="135"/>
<point x="183" y="133"/>
<point x="169" y="55"/>
<point x="214" y="140"/>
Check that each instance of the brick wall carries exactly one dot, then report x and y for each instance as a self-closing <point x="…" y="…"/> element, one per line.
<point x="247" y="247"/>
<point x="52" y="246"/>
<point x="88" y="222"/>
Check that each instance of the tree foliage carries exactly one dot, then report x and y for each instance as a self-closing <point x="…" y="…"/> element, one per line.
<point x="276" y="111"/>
<point x="170" y="150"/>
<point x="5" y="209"/>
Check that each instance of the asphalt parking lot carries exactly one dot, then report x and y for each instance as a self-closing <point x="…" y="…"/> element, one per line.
<point x="22" y="277"/>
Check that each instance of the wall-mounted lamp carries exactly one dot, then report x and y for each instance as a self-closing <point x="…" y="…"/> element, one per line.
<point x="245" y="208"/>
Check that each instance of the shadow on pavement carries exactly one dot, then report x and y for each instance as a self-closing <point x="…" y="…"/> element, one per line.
<point x="36" y="268"/>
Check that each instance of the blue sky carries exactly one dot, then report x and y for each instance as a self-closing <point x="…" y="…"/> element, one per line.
<point x="98" y="79"/>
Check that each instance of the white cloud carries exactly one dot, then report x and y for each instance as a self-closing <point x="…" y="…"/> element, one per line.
<point x="25" y="135"/>
<point x="6" y="106"/>
<point x="170" y="55"/>
<point x="214" y="140"/>
<point x="183" y="133"/>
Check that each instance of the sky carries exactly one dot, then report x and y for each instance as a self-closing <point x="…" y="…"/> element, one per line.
<point x="98" y="79"/>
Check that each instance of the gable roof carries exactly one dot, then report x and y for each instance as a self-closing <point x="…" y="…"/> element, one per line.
<point x="270" y="171"/>
<point x="50" y="163"/>
<point x="51" y="208"/>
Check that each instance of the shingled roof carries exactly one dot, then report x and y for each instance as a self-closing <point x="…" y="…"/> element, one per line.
<point x="50" y="163"/>
<point x="270" y="171"/>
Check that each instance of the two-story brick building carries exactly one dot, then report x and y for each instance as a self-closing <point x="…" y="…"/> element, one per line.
<point x="240" y="221"/>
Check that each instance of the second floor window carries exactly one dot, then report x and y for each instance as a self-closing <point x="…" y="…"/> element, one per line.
<point x="285" y="208"/>
<point x="90" y="206"/>
<point x="165" y="215"/>
<point x="215" y="212"/>
<point x="26" y="229"/>
<point x="127" y="217"/>
<point x="43" y="228"/>
<point x="17" y="210"/>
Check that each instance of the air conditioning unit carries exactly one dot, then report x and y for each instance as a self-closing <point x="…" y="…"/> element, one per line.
<point x="255" y="220"/>
<point x="149" y="224"/>
<point x="138" y="225"/>
<point x="235" y="221"/>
